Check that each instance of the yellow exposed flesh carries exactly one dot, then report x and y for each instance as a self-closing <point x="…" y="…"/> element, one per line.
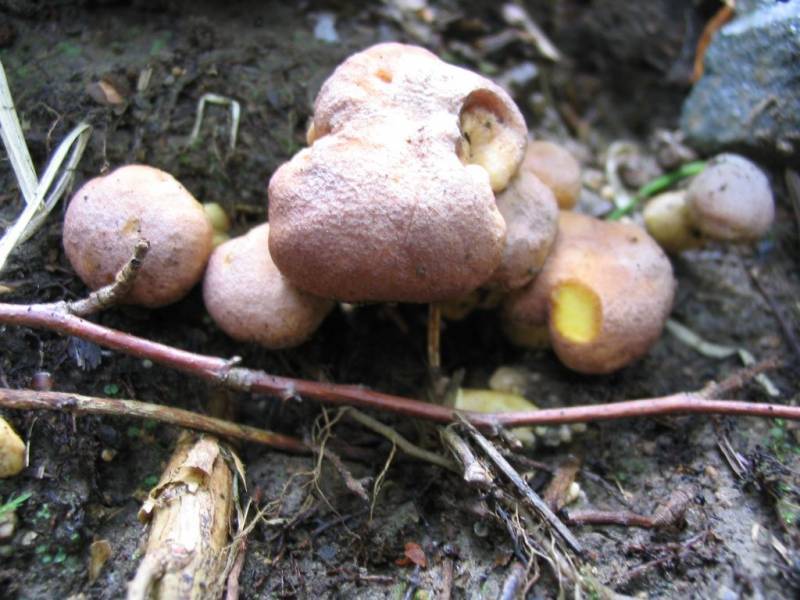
<point x="494" y="401"/>
<point x="576" y="312"/>
<point x="486" y="144"/>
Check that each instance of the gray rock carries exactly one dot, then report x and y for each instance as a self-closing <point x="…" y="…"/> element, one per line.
<point x="749" y="97"/>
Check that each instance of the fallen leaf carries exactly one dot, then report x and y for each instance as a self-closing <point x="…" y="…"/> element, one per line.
<point x="99" y="553"/>
<point x="413" y="554"/>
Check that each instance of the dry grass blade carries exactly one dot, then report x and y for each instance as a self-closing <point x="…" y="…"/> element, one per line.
<point x="14" y="142"/>
<point x="236" y="111"/>
<point x="41" y="196"/>
<point x="712" y="350"/>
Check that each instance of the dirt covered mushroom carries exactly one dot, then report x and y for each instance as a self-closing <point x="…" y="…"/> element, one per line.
<point x="249" y="299"/>
<point x="730" y="200"/>
<point x="604" y="294"/>
<point x="394" y="199"/>
<point x="109" y="214"/>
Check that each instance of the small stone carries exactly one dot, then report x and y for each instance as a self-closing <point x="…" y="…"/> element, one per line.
<point x="749" y="97"/>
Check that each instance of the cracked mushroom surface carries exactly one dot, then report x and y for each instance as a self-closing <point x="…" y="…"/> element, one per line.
<point x="109" y="214"/>
<point x="394" y="199"/>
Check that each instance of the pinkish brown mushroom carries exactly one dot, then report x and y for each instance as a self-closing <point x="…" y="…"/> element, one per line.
<point x="251" y="301"/>
<point x="555" y="166"/>
<point x="531" y="215"/>
<point x="394" y="200"/>
<point x="731" y="200"/>
<point x="109" y="214"/>
<point x="604" y="293"/>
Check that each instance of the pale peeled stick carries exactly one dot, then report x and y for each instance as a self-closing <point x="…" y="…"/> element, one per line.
<point x="12" y="450"/>
<point x="605" y="293"/>
<point x="109" y="214"/>
<point x="394" y="200"/>
<point x="249" y="299"/>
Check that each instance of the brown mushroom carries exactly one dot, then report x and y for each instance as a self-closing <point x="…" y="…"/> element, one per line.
<point x="394" y="199"/>
<point x="531" y="215"/>
<point x="605" y="293"/>
<point x="555" y="166"/>
<point x="249" y="299"/>
<point x="731" y="200"/>
<point x="109" y="214"/>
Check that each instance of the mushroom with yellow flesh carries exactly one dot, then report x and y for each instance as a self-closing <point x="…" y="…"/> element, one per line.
<point x="604" y="295"/>
<point x="394" y="198"/>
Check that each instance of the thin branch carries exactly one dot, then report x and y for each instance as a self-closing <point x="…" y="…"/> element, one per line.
<point x="777" y="311"/>
<point x="397" y="439"/>
<point x="474" y="472"/>
<point x="609" y="517"/>
<point x="539" y="505"/>
<point x="78" y="404"/>
<point x="114" y="292"/>
<point x="220" y="370"/>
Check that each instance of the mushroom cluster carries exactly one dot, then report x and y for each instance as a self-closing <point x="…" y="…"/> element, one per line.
<point x="729" y="201"/>
<point x="419" y="184"/>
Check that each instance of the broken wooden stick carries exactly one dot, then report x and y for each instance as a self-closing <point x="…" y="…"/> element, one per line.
<point x="189" y="514"/>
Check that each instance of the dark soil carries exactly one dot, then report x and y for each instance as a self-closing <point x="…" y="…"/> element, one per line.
<point x="615" y="84"/>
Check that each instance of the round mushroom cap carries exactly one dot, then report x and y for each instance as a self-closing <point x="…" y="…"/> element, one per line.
<point x="557" y="169"/>
<point x="731" y="200"/>
<point x="666" y="218"/>
<point x="531" y="215"/>
<point x="109" y="214"/>
<point x="605" y="291"/>
<point x="392" y="202"/>
<point x="249" y="299"/>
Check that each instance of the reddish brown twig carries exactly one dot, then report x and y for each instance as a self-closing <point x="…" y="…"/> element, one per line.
<point x="625" y="518"/>
<point x="722" y="16"/>
<point x="77" y="404"/>
<point x="666" y="515"/>
<point x="219" y="370"/>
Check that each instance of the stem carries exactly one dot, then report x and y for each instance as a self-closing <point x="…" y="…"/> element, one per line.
<point x="219" y="370"/>
<point x="659" y="184"/>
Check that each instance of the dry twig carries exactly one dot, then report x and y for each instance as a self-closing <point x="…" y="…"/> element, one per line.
<point x="78" y="404"/>
<point x="475" y="473"/>
<point x="219" y="370"/>
<point x="532" y="497"/>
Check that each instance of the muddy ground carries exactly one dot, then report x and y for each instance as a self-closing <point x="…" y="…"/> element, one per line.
<point x="618" y="81"/>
